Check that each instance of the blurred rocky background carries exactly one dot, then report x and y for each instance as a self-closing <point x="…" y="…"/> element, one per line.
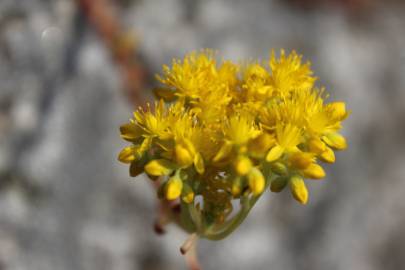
<point x="65" y="201"/>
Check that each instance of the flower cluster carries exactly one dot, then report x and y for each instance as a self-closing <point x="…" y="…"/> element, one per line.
<point x="223" y="132"/>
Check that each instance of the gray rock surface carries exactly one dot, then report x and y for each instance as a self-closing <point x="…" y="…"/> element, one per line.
<point x="66" y="203"/>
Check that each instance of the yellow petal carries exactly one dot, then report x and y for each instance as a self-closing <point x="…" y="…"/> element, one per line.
<point x="335" y="140"/>
<point x="260" y="145"/>
<point x="256" y="181"/>
<point x="190" y="147"/>
<point x="199" y="163"/>
<point x="316" y="146"/>
<point x="159" y="167"/>
<point x="223" y="152"/>
<point x="278" y="184"/>
<point x="145" y="145"/>
<point x="300" y="160"/>
<point x="314" y="171"/>
<point x="131" y="132"/>
<point x="243" y="165"/>
<point x="173" y="188"/>
<point x="328" y="155"/>
<point x="274" y="153"/>
<point x="183" y="156"/>
<point x="298" y="189"/>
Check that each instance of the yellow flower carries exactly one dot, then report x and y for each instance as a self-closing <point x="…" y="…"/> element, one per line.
<point x="256" y="83"/>
<point x="224" y="132"/>
<point x="288" y="137"/>
<point x="240" y="129"/>
<point x="289" y="74"/>
<point x="189" y="77"/>
<point x="152" y="123"/>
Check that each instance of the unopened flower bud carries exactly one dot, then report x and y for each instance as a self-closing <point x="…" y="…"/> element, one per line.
<point x="338" y="110"/>
<point x="236" y="187"/>
<point x="275" y="153"/>
<point x="183" y="156"/>
<point x="173" y="188"/>
<point x="300" y="160"/>
<point x="127" y="155"/>
<point x="314" y="171"/>
<point x="256" y="181"/>
<point x="278" y="184"/>
<point x="159" y="167"/>
<point x="298" y="189"/>
<point x="187" y="194"/>
<point x="328" y="155"/>
<point x="279" y="168"/>
<point x="335" y="140"/>
<point x="243" y="165"/>
<point x="316" y="146"/>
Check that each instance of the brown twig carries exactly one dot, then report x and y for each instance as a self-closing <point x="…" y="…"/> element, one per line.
<point x="189" y="249"/>
<point x="121" y="44"/>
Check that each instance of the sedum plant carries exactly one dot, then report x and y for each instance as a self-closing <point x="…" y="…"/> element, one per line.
<point x="223" y="133"/>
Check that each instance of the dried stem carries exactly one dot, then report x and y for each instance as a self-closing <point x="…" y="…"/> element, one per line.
<point x="121" y="44"/>
<point x="192" y="259"/>
<point x="189" y="243"/>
